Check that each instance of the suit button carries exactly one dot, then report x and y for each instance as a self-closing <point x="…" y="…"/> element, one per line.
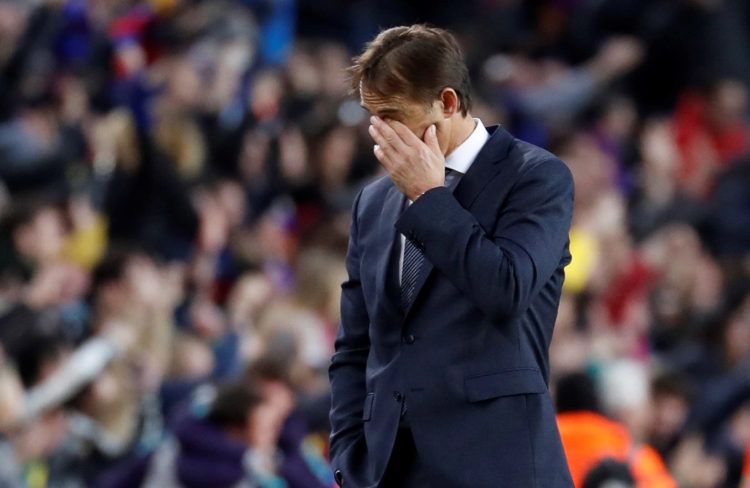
<point x="409" y="339"/>
<point x="339" y="477"/>
<point x="397" y="396"/>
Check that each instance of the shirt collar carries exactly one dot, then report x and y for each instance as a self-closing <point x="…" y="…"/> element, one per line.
<point x="461" y="158"/>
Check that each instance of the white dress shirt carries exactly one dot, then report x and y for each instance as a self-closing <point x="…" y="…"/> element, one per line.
<point x="459" y="160"/>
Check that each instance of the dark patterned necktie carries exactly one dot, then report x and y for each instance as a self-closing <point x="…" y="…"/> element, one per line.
<point x="413" y="257"/>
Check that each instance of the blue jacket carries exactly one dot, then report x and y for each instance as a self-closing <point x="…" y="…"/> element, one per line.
<point x="470" y="356"/>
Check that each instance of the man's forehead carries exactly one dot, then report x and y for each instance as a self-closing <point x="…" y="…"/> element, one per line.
<point x="387" y="105"/>
<point x="373" y="100"/>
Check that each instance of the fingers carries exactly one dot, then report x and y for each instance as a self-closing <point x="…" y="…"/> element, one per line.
<point x="395" y="142"/>
<point x="404" y="133"/>
<point x="388" y="140"/>
<point x="382" y="158"/>
<point x="430" y="138"/>
<point x="377" y="149"/>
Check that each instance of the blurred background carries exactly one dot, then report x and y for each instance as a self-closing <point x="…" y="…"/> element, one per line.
<point x="176" y="179"/>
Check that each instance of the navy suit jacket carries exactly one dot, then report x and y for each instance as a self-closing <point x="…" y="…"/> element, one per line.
<point x="470" y="355"/>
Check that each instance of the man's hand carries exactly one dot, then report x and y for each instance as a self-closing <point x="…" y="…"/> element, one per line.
<point x="415" y="166"/>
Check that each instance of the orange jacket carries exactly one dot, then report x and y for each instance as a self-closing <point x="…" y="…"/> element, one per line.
<point x="589" y="438"/>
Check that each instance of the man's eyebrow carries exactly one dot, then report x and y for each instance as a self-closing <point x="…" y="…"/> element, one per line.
<point x="389" y="110"/>
<point x="381" y="111"/>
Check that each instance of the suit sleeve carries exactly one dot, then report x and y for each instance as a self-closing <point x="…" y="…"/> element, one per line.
<point x="500" y="273"/>
<point x="347" y="369"/>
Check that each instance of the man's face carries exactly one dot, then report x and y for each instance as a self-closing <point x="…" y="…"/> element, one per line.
<point x="416" y="116"/>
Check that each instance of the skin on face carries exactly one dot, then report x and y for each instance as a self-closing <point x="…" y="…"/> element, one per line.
<point x="412" y="140"/>
<point x="416" y="116"/>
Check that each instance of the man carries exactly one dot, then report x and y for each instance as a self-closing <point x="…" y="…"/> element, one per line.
<point x="455" y="267"/>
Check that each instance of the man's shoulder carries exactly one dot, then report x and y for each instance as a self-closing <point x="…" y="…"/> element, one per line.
<point x="524" y="159"/>
<point x="530" y="157"/>
<point x="536" y="163"/>
<point x="376" y="189"/>
<point x="371" y="196"/>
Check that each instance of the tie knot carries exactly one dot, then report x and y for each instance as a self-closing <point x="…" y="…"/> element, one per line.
<point x="450" y="177"/>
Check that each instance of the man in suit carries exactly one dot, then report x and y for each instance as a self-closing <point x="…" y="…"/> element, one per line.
<point x="455" y="268"/>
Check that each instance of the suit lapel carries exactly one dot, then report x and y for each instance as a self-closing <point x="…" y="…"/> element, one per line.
<point x="481" y="172"/>
<point x="484" y="168"/>
<point x="392" y="205"/>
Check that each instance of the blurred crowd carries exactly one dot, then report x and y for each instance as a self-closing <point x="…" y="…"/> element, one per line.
<point x="176" y="181"/>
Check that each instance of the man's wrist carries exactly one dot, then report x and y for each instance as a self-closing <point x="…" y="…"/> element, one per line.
<point x="417" y="197"/>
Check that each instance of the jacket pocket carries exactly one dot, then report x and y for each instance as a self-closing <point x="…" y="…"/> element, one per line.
<point x="367" y="410"/>
<point x="503" y="383"/>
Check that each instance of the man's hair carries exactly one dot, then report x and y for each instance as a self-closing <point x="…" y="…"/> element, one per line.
<point x="416" y="62"/>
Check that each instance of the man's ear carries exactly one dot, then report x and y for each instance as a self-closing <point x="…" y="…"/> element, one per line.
<point x="449" y="102"/>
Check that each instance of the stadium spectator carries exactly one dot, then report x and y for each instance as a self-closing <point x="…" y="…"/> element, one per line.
<point x="592" y="441"/>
